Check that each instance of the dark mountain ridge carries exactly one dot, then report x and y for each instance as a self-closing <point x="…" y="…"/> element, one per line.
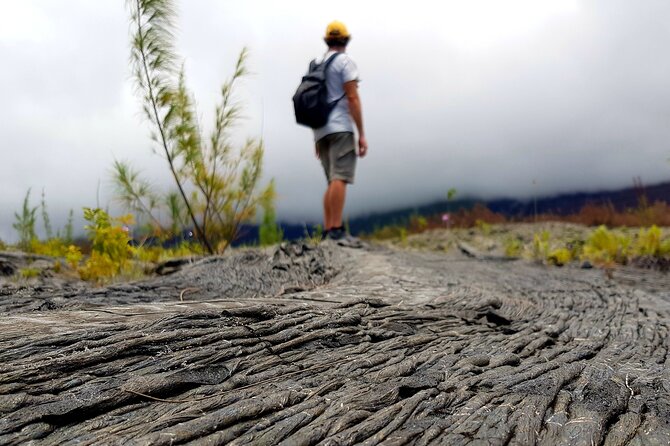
<point x="562" y="204"/>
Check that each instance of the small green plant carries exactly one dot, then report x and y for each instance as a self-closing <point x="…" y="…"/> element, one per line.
<point x="606" y="247"/>
<point x="559" y="256"/>
<point x="403" y="236"/>
<point x="110" y="250"/>
<point x="650" y="242"/>
<point x="157" y="254"/>
<point x="451" y="194"/>
<point x="25" y="223"/>
<point x="107" y="235"/>
<point x="576" y="247"/>
<point x="29" y="273"/>
<point x="53" y="247"/>
<point x="484" y="227"/>
<point x="387" y="233"/>
<point x="269" y="232"/>
<point x="73" y="256"/>
<point x="48" y="230"/>
<point x="540" y="249"/>
<point x="68" y="233"/>
<point x="513" y="247"/>
<point x="318" y="232"/>
<point x="418" y="223"/>
<point x="315" y="236"/>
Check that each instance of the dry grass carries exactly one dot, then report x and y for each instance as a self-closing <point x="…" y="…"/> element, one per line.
<point x="590" y="215"/>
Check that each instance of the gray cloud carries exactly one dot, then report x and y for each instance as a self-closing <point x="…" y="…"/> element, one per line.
<point x="575" y="99"/>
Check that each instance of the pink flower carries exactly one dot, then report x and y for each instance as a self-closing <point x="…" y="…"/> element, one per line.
<point x="445" y="217"/>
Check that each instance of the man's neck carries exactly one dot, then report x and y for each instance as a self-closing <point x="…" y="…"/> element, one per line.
<point x="337" y="49"/>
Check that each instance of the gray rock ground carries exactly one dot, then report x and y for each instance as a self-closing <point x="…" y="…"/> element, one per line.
<point x="330" y="345"/>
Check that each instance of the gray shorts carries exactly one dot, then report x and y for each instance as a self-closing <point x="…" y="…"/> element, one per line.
<point x="337" y="153"/>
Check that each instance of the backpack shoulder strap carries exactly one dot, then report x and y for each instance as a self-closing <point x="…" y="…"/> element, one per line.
<point x="330" y="60"/>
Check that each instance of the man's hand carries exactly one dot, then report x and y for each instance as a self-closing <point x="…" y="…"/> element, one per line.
<point x="351" y="90"/>
<point x="362" y="146"/>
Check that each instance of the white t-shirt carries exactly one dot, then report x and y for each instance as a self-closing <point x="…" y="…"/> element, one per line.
<point x="341" y="70"/>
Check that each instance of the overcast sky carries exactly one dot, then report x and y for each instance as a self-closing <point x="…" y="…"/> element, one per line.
<point x="481" y="95"/>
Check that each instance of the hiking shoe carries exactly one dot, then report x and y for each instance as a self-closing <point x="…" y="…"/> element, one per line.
<point x="349" y="241"/>
<point x="335" y="233"/>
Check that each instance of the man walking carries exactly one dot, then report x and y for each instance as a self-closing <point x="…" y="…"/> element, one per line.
<point x="335" y="142"/>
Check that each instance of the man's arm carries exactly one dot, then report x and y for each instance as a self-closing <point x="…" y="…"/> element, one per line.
<point x="351" y="90"/>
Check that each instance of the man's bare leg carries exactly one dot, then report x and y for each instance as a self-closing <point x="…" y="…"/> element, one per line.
<point x="334" y="203"/>
<point x="326" y="210"/>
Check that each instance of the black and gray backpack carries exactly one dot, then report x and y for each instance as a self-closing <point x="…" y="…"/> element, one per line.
<point x="310" y="101"/>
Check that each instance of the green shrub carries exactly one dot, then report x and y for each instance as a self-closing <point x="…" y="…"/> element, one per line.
<point x="484" y="227"/>
<point x="540" y="249"/>
<point x="650" y="242"/>
<point x="53" y="247"/>
<point x="73" y="256"/>
<point x="513" y="247"/>
<point x="560" y="256"/>
<point x="606" y="247"/>
<point x="110" y="250"/>
<point x="217" y="183"/>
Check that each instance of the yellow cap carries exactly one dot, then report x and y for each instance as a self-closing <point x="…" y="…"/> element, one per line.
<point x="337" y="30"/>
